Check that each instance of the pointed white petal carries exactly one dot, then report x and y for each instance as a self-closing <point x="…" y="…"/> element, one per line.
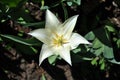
<point x="68" y="26"/>
<point x="77" y="39"/>
<point x="64" y="53"/>
<point x="45" y="53"/>
<point x="51" y="20"/>
<point x="41" y="34"/>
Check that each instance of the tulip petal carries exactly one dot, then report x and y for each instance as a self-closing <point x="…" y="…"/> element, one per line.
<point x="45" y="53"/>
<point x="68" y="26"/>
<point x="64" y="53"/>
<point x="77" y="39"/>
<point x="41" y="34"/>
<point x="51" y="21"/>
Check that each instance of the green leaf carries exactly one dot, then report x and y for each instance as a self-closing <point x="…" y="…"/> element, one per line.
<point x="44" y="7"/>
<point x="94" y="61"/>
<point x="25" y="49"/>
<point x="13" y="12"/>
<point x="36" y="25"/>
<point x="90" y="36"/>
<point x="10" y="3"/>
<point x="76" y="58"/>
<point x="101" y="44"/>
<point x="118" y="43"/>
<point x="43" y="77"/>
<point x="102" y="36"/>
<point x="104" y="42"/>
<point x="69" y="3"/>
<point x="114" y="61"/>
<point x="52" y="59"/>
<point x="78" y="2"/>
<point x="97" y="44"/>
<point x="21" y="20"/>
<point x="15" y="39"/>
<point x="87" y="59"/>
<point x="65" y="11"/>
<point x="102" y="66"/>
<point x="101" y="61"/>
<point x="1" y="39"/>
<point x="110" y="28"/>
<point x="108" y="52"/>
<point x="76" y="50"/>
<point x="98" y="51"/>
<point x="73" y="2"/>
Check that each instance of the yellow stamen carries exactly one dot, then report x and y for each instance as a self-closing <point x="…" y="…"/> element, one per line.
<point x="59" y="40"/>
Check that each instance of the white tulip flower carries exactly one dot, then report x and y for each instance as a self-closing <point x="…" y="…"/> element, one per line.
<point x="58" y="38"/>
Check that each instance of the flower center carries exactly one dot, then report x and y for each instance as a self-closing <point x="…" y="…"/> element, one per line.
<point x="59" y="40"/>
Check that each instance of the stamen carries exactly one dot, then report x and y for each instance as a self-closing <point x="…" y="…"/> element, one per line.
<point x="59" y="40"/>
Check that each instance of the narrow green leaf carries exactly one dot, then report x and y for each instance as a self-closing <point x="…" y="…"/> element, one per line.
<point x="29" y="50"/>
<point x="65" y="11"/>
<point x="22" y="13"/>
<point x="76" y="58"/>
<point x="21" y="45"/>
<point x="36" y="25"/>
<point x="87" y="59"/>
<point x="30" y="42"/>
